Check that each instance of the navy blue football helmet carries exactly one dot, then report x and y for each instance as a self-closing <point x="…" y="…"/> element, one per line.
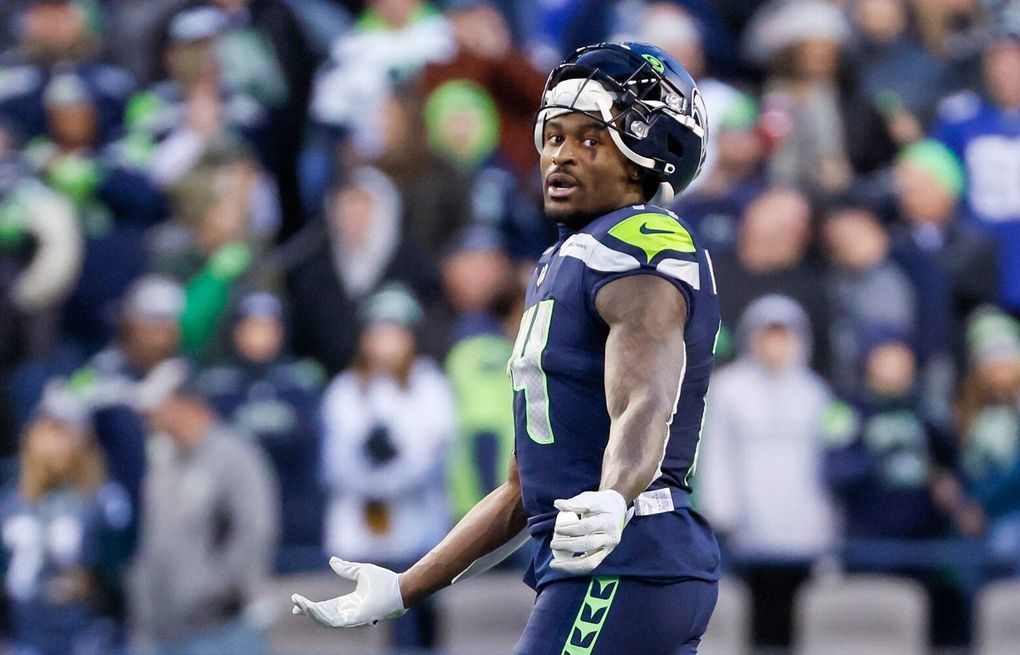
<point x="649" y="102"/>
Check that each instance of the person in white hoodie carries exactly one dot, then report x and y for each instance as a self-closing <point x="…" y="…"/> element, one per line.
<point x="387" y="424"/>
<point x="759" y="472"/>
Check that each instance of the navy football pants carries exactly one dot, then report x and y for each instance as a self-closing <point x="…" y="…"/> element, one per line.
<point x="618" y="616"/>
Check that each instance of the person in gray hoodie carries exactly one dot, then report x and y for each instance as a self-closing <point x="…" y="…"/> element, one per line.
<point x="210" y="526"/>
<point x="759" y="471"/>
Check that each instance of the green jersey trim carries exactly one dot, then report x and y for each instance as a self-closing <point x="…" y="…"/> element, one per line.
<point x="653" y="233"/>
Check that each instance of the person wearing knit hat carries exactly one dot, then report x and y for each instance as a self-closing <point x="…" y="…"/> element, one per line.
<point x="272" y="397"/>
<point x="988" y="417"/>
<point x="939" y="162"/>
<point x="953" y="265"/>
<point x="993" y="337"/>
<point x="462" y="123"/>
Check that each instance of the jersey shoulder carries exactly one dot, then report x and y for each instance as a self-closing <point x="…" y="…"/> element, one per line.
<point x="638" y="237"/>
<point x="645" y="231"/>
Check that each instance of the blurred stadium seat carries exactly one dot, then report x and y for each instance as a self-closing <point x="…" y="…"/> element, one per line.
<point x="875" y="614"/>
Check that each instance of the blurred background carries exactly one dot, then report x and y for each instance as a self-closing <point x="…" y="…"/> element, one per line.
<point x="262" y="261"/>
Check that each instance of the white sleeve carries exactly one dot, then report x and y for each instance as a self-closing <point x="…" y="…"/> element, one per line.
<point x="421" y="455"/>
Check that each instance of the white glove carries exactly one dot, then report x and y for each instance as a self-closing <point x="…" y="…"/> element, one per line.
<point x="377" y="597"/>
<point x="588" y="528"/>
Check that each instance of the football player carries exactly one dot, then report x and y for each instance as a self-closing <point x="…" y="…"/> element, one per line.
<point x="610" y="370"/>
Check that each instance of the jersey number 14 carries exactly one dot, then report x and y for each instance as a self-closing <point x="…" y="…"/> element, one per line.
<point x="525" y="369"/>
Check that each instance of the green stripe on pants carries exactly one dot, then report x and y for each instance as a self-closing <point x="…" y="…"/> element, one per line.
<point x="592" y="616"/>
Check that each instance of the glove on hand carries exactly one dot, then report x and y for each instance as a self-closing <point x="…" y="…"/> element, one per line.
<point x="376" y="597"/>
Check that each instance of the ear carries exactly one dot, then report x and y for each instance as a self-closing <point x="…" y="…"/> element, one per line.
<point x="634" y="172"/>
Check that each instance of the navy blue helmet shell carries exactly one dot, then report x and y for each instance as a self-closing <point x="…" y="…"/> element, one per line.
<point x="649" y="102"/>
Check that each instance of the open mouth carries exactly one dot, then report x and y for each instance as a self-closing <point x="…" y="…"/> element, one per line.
<point x="559" y="186"/>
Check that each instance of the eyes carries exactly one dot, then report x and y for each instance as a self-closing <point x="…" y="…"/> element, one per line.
<point x="587" y="142"/>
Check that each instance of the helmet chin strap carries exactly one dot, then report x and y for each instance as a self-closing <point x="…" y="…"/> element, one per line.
<point x="589" y="96"/>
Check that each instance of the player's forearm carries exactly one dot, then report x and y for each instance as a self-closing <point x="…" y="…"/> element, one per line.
<point x="636" y="443"/>
<point x="495" y="520"/>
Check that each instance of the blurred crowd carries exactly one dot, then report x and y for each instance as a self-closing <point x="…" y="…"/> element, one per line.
<point x="262" y="262"/>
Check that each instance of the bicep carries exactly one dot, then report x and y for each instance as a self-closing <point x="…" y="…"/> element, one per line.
<point x="645" y="346"/>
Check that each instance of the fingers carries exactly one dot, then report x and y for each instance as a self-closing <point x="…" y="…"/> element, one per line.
<point x="345" y="569"/>
<point x="315" y="611"/>
<point x="566" y="505"/>
<point x="311" y="609"/>
<point x="576" y="504"/>
<point x="568" y="527"/>
<point x="582" y="544"/>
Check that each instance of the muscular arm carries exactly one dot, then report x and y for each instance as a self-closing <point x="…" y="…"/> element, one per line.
<point x="494" y="521"/>
<point x="644" y="360"/>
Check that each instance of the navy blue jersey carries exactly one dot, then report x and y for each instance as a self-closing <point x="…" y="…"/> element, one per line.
<point x="558" y="372"/>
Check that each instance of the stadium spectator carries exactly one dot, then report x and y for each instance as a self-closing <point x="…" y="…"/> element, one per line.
<point x="192" y="105"/>
<point x="883" y="462"/>
<point x="133" y="33"/>
<point x="983" y="131"/>
<point x="390" y="42"/>
<point x="387" y="424"/>
<point x="956" y="32"/>
<point x="487" y="56"/>
<point x="989" y="424"/>
<point x="951" y="264"/>
<point x="759" y="471"/>
<point x="360" y="251"/>
<point x="418" y="171"/>
<point x="58" y="36"/>
<point x="263" y="53"/>
<point x="865" y="288"/>
<point x="771" y="257"/>
<point x="223" y="219"/>
<point x="264" y="393"/>
<point x="149" y="335"/>
<point x="894" y="474"/>
<point x="897" y="75"/>
<point x="41" y="248"/>
<point x="114" y="204"/>
<point x="476" y="277"/>
<point x="65" y="527"/>
<point x="209" y="530"/>
<point x="801" y="43"/>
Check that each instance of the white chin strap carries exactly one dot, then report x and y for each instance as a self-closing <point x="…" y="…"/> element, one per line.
<point x="589" y="96"/>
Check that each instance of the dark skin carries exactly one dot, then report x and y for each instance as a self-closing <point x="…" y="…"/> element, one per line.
<point x="644" y="354"/>
<point x="584" y="174"/>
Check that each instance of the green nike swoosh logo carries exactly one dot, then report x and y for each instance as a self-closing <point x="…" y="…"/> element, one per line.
<point x="644" y="229"/>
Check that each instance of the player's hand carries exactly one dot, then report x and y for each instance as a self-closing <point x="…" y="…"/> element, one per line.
<point x="588" y="528"/>
<point x="377" y="597"/>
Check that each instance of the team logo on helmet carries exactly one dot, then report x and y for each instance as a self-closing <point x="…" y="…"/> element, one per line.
<point x="656" y="62"/>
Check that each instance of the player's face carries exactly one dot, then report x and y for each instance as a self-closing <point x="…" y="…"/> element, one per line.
<point x="584" y="174"/>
